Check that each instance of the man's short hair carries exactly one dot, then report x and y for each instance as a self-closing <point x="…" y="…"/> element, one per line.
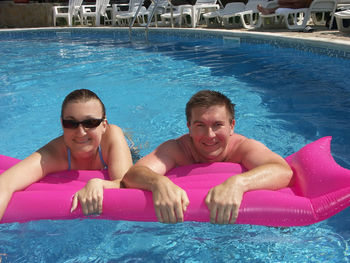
<point x="208" y="98"/>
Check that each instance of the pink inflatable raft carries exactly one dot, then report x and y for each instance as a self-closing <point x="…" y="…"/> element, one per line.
<point x="321" y="189"/>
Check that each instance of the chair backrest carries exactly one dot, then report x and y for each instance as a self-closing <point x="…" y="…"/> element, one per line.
<point x="199" y="2"/>
<point x="135" y="7"/>
<point x="252" y="5"/>
<point x="323" y="5"/>
<point x="103" y="6"/>
<point x="233" y="7"/>
<point x="161" y="5"/>
<point x="73" y="6"/>
<point x="342" y="2"/>
<point x="133" y="3"/>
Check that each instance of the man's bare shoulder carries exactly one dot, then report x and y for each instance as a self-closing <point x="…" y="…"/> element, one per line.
<point x="177" y="148"/>
<point x="166" y="156"/>
<point x="248" y="144"/>
<point x="169" y="145"/>
<point x="240" y="146"/>
<point x="254" y="153"/>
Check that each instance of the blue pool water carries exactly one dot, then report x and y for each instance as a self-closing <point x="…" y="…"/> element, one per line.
<point x="286" y="94"/>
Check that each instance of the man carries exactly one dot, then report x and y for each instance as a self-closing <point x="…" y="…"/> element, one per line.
<point x="211" y="138"/>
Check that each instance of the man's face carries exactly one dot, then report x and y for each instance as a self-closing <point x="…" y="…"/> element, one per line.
<point x="210" y="129"/>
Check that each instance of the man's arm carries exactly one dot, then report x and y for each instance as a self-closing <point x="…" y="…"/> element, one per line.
<point x="148" y="173"/>
<point x="266" y="170"/>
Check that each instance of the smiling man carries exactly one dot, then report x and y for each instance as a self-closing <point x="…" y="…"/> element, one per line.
<point x="211" y="138"/>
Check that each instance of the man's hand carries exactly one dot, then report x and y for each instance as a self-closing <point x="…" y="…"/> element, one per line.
<point x="224" y="201"/>
<point x="170" y="201"/>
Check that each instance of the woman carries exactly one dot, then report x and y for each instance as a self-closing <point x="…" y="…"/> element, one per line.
<point x="88" y="143"/>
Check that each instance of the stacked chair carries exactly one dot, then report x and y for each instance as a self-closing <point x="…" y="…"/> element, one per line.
<point x="226" y="16"/>
<point x="83" y="14"/>
<point x="190" y="14"/>
<point x="343" y="16"/>
<point x="70" y="12"/>
<point x="343" y="20"/>
<point x="233" y="15"/>
<point x="236" y="14"/>
<point x="93" y="13"/>
<point x="297" y="19"/>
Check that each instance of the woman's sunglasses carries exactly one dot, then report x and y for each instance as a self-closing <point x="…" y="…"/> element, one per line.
<point x="89" y="123"/>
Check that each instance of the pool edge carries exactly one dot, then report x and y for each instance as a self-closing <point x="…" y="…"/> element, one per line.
<point x="315" y="41"/>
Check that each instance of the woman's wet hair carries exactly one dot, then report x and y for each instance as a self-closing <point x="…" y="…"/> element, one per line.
<point x="82" y="95"/>
<point x="208" y="98"/>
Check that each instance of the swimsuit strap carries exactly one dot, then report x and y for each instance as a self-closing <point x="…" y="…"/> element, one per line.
<point x="105" y="166"/>
<point x="68" y="156"/>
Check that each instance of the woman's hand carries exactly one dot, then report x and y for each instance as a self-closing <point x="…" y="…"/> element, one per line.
<point x="90" y="197"/>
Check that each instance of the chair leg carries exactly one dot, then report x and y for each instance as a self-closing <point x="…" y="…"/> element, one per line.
<point x="331" y="22"/>
<point x="69" y="20"/>
<point x="97" y="23"/>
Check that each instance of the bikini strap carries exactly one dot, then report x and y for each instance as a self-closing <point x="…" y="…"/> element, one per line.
<point x="69" y="156"/>
<point x="105" y="166"/>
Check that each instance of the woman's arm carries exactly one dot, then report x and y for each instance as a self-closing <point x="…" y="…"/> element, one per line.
<point x="28" y="171"/>
<point x="118" y="158"/>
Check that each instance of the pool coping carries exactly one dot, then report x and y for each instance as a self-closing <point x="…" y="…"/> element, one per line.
<point x="321" y="39"/>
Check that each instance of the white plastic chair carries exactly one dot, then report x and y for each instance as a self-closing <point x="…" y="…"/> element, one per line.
<point x="162" y="7"/>
<point x="67" y="12"/>
<point x="191" y="12"/>
<point x="343" y="5"/>
<point x="124" y="19"/>
<point x="298" y="18"/>
<point x="200" y="8"/>
<point x="118" y="9"/>
<point x="104" y="10"/>
<point x="94" y="12"/>
<point x="232" y="18"/>
<point x="343" y="20"/>
<point x="178" y="14"/>
<point x="250" y="17"/>
<point x="230" y="10"/>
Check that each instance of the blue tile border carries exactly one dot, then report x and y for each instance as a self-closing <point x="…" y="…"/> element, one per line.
<point x="333" y="49"/>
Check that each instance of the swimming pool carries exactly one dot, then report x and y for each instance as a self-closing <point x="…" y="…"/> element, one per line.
<point x="286" y="94"/>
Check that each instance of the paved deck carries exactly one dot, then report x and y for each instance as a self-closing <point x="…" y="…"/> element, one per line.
<point x="320" y="34"/>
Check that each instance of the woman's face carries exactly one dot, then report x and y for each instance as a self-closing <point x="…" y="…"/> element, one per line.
<point x="83" y="141"/>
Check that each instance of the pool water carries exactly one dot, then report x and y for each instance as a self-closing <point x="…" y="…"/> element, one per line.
<point x="286" y="96"/>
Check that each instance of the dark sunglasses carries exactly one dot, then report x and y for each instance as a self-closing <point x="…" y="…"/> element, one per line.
<point x="89" y="123"/>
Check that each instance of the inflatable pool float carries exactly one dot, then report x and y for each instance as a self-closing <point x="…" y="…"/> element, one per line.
<point x="321" y="188"/>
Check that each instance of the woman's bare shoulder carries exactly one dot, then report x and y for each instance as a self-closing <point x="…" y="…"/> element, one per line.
<point x="112" y="131"/>
<point x="55" y="149"/>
